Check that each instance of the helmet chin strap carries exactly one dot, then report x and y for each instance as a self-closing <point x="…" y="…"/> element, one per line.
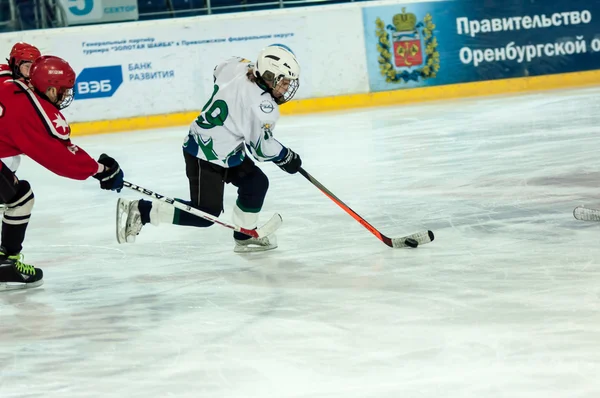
<point x="260" y="81"/>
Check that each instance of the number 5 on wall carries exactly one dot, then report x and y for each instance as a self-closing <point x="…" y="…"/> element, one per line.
<point x="81" y="7"/>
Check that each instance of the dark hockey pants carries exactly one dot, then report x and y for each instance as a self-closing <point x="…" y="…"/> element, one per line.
<point x="207" y="183"/>
<point x="18" y="199"/>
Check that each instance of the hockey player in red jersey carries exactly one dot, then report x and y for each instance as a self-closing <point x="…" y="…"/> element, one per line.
<point x="31" y="124"/>
<point x="19" y="60"/>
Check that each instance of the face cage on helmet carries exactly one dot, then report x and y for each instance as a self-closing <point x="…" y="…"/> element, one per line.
<point x="289" y="94"/>
<point x="270" y="78"/>
<point x="67" y="98"/>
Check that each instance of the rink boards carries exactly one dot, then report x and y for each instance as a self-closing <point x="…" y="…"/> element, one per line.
<point x="154" y="74"/>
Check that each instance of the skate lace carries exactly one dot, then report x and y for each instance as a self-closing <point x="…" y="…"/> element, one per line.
<point x="21" y="266"/>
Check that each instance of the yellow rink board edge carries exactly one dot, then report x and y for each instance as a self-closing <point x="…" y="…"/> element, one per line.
<point x="339" y="103"/>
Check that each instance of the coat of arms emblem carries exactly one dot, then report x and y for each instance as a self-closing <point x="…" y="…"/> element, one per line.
<point x="411" y="54"/>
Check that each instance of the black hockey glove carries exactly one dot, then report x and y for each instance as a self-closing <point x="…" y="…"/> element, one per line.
<point x="290" y="163"/>
<point x="112" y="176"/>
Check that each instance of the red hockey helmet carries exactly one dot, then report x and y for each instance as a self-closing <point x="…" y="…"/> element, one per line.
<point x="50" y="71"/>
<point x="22" y="52"/>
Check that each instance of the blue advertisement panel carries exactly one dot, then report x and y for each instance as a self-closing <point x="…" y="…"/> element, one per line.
<point x="98" y="82"/>
<point x="446" y="42"/>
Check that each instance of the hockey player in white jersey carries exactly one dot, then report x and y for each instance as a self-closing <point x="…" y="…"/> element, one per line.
<point x="239" y="118"/>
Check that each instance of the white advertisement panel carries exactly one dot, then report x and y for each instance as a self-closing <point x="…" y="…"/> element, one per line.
<point x="136" y="69"/>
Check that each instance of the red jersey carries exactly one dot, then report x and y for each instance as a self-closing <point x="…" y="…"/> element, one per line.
<point x="33" y="126"/>
<point x="5" y="73"/>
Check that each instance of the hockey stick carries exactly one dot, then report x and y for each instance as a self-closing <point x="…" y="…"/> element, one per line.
<point x="413" y="240"/>
<point x="267" y="229"/>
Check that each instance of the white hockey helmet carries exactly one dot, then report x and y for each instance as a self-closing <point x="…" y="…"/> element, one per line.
<point x="276" y="65"/>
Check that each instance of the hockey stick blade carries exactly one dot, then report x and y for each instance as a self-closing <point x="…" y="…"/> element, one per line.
<point x="265" y="230"/>
<point x="586" y="214"/>
<point x="414" y="240"/>
<point x="270" y="226"/>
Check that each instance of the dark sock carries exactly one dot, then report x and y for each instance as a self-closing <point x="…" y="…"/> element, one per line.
<point x="240" y="236"/>
<point x="144" y="207"/>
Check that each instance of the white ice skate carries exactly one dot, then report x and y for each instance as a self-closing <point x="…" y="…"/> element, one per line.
<point x="256" y="244"/>
<point x="129" y="220"/>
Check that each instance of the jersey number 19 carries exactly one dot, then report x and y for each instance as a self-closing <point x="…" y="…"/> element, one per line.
<point x="215" y="113"/>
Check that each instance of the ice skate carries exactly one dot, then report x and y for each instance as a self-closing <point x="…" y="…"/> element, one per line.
<point x="129" y="220"/>
<point x="255" y="244"/>
<point x="14" y="274"/>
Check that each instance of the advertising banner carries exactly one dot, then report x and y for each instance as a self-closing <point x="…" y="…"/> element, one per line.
<point x="166" y="66"/>
<point x="138" y="69"/>
<point x="445" y="42"/>
<point x="98" y="11"/>
<point x="165" y="70"/>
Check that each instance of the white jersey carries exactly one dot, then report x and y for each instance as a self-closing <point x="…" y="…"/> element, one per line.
<point x="12" y="162"/>
<point x="239" y="112"/>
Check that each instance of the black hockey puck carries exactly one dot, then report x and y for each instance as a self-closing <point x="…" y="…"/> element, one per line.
<point x="411" y="242"/>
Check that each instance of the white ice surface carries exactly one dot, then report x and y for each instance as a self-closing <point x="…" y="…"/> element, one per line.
<point x="504" y="303"/>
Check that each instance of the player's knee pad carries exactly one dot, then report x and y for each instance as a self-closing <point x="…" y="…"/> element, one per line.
<point x="18" y="209"/>
<point x="260" y="182"/>
<point x="252" y="191"/>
